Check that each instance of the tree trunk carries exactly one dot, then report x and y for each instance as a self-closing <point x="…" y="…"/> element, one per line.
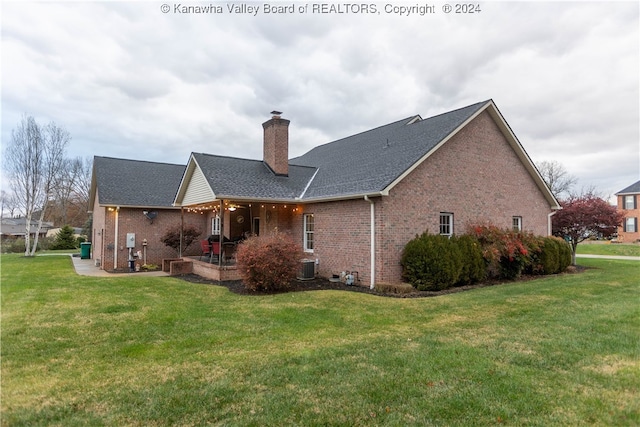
<point x="574" y="246"/>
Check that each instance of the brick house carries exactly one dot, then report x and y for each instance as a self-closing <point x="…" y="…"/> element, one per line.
<point x="628" y="204"/>
<point x="354" y="203"/>
<point x="134" y="199"/>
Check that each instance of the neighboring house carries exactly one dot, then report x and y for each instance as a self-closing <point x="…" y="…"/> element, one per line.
<point x="354" y="203"/>
<point x="132" y="203"/>
<point x="628" y="204"/>
<point x="12" y="228"/>
<point x="53" y="232"/>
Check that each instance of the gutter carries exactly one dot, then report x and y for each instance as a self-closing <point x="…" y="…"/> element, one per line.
<point x="549" y="228"/>
<point x="373" y="242"/>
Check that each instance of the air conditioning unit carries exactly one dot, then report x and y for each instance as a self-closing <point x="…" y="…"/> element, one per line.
<point x="307" y="269"/>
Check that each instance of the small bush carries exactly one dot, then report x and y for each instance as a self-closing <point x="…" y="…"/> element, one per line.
<point x="171" y="237"/>
<point x="268" y="262"/>
<point x="394" y="288"/>
<point x="431" y="262"/>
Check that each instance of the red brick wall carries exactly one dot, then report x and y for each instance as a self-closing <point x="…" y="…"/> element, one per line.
<point x="132" y="220"/>
<point x="624" y="236"/>
<point x="342" y="237"/>
<point x="276" y="144"/>
<point x="476" y="175"/>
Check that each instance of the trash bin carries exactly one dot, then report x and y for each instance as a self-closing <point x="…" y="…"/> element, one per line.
<point x="85" y="250"/>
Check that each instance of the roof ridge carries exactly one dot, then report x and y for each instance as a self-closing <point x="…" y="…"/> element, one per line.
<point x="138" y="161"/>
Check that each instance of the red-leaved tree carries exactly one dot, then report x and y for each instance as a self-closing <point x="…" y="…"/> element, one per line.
<point x="585" y="216"/>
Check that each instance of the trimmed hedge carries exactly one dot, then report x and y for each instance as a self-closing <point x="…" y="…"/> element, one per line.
<point x="434" y="262"/>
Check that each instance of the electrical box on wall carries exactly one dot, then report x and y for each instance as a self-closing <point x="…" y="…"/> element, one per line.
<point x="131" y="240"/>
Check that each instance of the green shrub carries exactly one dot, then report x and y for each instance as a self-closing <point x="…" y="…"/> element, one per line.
<point x="565" y="254"/>
<point x="65" y="239"/>
<point x="550" y="256"/>
<point x="431" y="262"/>
<point x="473" y="265"/>
<point x="268" y="262"/>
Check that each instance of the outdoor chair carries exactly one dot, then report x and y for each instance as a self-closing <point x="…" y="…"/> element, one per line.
<point x="206" y="249"/>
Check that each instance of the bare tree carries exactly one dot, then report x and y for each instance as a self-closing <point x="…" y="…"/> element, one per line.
<point x="9" y="204"/>
<point x="33" y="161"/>
<point x="557" y="178"/>
<point x="69" y="204"/>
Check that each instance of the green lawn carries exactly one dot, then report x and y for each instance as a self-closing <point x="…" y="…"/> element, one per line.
<point x="557" y="351"/>
<point x="624" y="249"/>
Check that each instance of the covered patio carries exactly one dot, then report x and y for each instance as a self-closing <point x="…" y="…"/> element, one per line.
<point x="228" y="224"/>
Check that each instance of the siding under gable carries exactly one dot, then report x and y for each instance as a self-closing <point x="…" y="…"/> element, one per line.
<point x="198" y="190"/>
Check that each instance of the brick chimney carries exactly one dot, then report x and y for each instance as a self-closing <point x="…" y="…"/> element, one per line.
<point x="276" y="144"/>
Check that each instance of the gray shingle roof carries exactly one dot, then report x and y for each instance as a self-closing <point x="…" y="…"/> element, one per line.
<point x="122" y="182"/>
<point x="244" y="178"/>
<point x="632" y="189"/>
<point x="370" y="161"/>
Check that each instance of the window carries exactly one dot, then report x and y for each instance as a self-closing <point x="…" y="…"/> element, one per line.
<point x="308" y="233"/>
<point x="215" y="225"/>
<point x="446" y="224"/>
<point x="517" y="223"/>
<point x="630" y="202"/>
<point x="631" y="225"/>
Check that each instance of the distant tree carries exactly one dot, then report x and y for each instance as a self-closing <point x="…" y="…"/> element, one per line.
<point x="69" y="204"/>
<point x="557" y="178"/>
<point x="33" y="161"/>
<point x="8" y="204"/>
<point x="65" y="239"/>
<point x="175" y="235"/>
<point x="583" y="217"/>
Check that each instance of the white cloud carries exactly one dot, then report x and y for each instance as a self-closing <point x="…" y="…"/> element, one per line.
<point x="129" y="81"/>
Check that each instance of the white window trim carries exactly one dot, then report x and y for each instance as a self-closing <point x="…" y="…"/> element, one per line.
<point x="631" y="225"/>
<point x="305" y="233"/>
<point x="440" y="223"/>
<point x="629" y="202"/>
<point x="516" y="223"/>
<point x="215" y="225"/>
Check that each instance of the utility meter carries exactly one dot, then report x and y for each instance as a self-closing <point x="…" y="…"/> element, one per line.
<point x="131" y="240"/>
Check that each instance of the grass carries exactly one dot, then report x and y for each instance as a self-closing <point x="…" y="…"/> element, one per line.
<point x="146" y="351"/>
<point x="623" y="249"/>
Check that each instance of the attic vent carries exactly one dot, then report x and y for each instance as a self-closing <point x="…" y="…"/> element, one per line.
<point x="414" y="120"/>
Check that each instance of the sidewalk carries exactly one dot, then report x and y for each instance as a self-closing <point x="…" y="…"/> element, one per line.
<point x="87" y="267"/>
<point x="620" y="257"/>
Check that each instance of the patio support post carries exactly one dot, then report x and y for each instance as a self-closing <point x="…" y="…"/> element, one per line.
<point x="181" y="230"/>
<point x="221" y="238"/>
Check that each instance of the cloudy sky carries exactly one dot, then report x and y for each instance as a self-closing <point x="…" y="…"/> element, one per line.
<point x="156" y="80"/>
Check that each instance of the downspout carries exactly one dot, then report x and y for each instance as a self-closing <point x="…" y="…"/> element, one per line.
<point x="115" y="244"/>
<point x="549" y="227"/>
<point x="373" y="241"/>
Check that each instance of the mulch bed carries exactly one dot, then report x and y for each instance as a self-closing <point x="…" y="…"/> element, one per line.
<point x="320" y="284"/>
